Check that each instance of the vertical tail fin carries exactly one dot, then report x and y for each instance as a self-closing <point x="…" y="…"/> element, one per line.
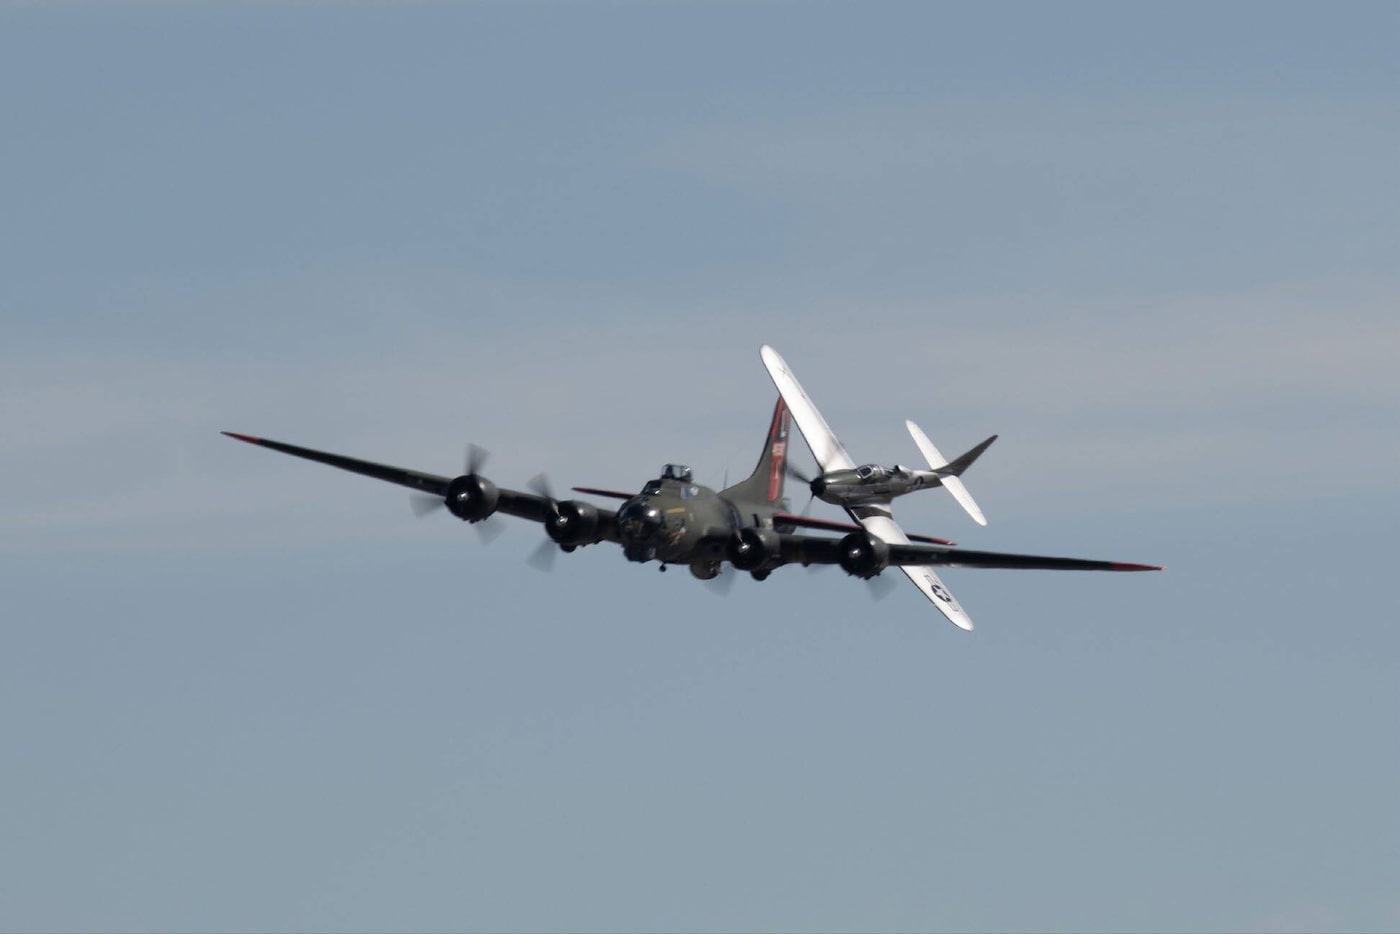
<point x="765" y="484"/>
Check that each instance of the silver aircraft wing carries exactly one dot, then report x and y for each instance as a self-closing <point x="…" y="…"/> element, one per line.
<point x="829" y="452"/>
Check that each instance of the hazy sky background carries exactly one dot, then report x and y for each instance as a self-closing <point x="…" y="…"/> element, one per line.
<point x="1156" y="248"/>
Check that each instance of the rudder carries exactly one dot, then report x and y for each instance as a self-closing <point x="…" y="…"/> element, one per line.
<point x="766" y="482"/>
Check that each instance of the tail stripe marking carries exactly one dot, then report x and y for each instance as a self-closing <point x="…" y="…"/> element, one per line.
<point x="777" y="434"/>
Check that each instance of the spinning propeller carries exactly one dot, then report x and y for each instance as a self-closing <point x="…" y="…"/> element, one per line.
<point x="542" y="558"/>
<point x="806" y="481"/>
<point x="423" y="504"/>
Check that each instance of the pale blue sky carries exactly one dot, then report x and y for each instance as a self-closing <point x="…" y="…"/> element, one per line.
<point x="1154" y="248"/>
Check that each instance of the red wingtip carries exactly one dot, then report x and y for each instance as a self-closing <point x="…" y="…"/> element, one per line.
<point x="249" y="438"/>
<point x="1124" y="566"/>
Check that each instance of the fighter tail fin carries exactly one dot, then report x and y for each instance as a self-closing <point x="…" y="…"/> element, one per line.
<point x="950" y="471"/>
<point x="765" y="484"/>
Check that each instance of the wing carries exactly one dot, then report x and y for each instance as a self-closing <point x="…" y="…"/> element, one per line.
<point x="511" y="502"/>
<point x="828" y="451"/>
<point x="879" y="522"/>
<point x="413" y="479"/>
<point x="917" y="562"/>
<point x="815" y="549"/>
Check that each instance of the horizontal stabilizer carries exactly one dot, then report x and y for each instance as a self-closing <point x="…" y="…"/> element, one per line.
<point x="949" y="472"/>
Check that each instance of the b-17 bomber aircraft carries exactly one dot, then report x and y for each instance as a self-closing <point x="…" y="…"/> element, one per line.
<point x="674" y="520"/>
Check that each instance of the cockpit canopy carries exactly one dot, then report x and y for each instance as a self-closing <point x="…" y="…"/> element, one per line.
<point x="870" y="472"/>
<point x="676" y="472"/>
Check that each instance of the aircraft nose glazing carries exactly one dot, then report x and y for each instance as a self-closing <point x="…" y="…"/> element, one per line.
<point x="639" y="522"/>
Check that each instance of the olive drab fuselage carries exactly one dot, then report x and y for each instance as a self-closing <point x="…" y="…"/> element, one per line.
<point x="675" y="520"/>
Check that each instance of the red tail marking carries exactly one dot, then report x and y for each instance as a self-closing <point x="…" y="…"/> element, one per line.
<point x="777" y="437"/>
<point x="249" y="438"/>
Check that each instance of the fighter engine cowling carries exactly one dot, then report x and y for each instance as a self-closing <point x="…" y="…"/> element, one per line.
<point x="572" y="523"/>
<point x="864" y="555"/>
<point x="752" y="549"/>
<point x="471" y="497"/>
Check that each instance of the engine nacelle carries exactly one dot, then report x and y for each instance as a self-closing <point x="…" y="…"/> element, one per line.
<point x="751" y="549"/>
<point x="572" y="523"/>
<point x="472" y="498"/>
<point x="864" y="555"/>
